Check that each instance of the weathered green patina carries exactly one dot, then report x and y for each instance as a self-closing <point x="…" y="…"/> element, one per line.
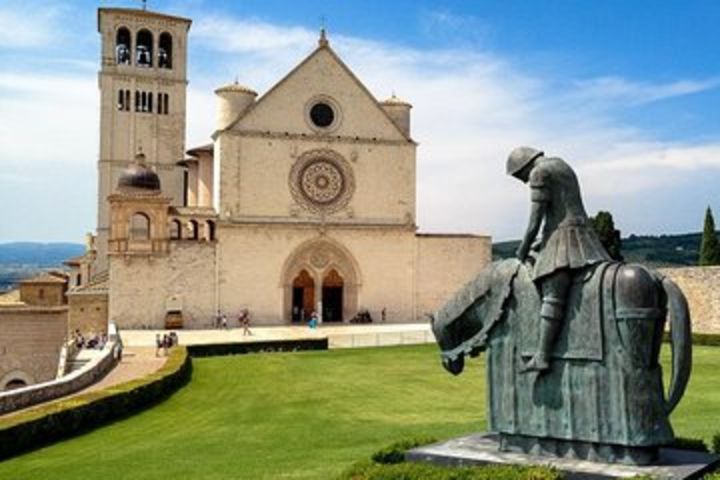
<point x="593" y="387"/>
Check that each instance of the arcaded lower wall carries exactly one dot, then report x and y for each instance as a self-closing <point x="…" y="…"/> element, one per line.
<point x="701" y="286"/>
<point x="30" y="343"/>
<point x="444" y="264"/>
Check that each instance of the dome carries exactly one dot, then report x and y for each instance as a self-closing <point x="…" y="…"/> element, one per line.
<point x="139" y="177"/>
<point x="394" y="100"/>
<point x="236" y="88"/>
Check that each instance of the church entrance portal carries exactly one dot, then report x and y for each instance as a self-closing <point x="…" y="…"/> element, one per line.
<point x="303" y="297"/>
<point x="332" y="297"/>
<point x="320" y="276"/>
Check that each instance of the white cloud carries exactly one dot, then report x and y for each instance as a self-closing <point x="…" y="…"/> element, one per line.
<point x="471" y="107"/>
<point x="25" y="27"/>
<point x="636" y="93"/>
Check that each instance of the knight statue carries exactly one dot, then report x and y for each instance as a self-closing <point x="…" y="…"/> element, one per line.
<point x="572" y="338"/>
<point x="568" y="242"/>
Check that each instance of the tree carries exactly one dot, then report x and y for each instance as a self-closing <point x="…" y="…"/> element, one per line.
<point x="604" y="226"/>
<point x="709" y="245"/>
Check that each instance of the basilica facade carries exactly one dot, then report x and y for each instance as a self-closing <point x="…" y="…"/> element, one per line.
<point x="303" y="202"/>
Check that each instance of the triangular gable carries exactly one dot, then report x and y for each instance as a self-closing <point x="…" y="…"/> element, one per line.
<point x="272" y="112"/>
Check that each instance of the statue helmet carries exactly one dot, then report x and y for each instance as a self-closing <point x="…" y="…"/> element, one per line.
<point x="520" y="157"/>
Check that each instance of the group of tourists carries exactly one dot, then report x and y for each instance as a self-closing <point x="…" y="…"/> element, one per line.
<point x="221" y="320"/>
<point x="95" y="341"/>
<point x="165" y="342"/>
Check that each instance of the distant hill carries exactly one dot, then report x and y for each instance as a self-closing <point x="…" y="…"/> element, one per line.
<point x="655" y="251"/>
<point x="42" y="254"/>
<point x="20" y="260"/>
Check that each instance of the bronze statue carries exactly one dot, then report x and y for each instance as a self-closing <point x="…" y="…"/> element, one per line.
<point x="600" y="321"/>
<point x="568" y="244"/>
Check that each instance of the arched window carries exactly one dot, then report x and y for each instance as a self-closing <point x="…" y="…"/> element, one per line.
<point x="144" y="49"/>
<point x="122" y="46"/>
<point x="210" y="230"/>
<point x="149" y="102"/>
<point x="121" y="100"/>
<point x="137" y="101"/>
<point x="193" y="226"/>
<point x="15" y="384"/>
<point x="175" y="230"/>
<point x="127" y="100"/>
<point x="140" y="227"/>
<point x="165" y="51"/>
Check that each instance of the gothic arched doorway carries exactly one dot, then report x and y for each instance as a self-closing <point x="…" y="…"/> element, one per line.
<point x="303" y="296"/>
<point x="332" y="295"/>
<point x="320" y="276"/>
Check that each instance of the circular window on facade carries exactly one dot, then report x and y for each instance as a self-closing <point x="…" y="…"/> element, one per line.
<point x="321" y="181"/>
<point x="322" y="115"/>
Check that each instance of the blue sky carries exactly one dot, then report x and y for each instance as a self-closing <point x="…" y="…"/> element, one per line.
<point x="627" y="92"/>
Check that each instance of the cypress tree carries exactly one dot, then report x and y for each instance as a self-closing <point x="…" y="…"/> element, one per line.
<point x="604" y="226"/>
<point x="709" y="245"/>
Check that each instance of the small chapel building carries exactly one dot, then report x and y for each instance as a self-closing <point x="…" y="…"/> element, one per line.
<point x="305" y="201"/>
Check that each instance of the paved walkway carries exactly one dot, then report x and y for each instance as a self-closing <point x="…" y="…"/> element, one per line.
<point x="136" y="363"/>
<point x="339" y="336"/>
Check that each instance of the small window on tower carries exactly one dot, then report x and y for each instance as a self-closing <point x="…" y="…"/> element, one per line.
<point x="122" y="46"/>
<point x="137" y="101"/>
<point x="121" y="100"/>
<point x="144" y="51"/>
<point x="165" y="51"/>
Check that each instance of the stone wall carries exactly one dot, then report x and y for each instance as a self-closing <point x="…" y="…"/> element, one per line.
<point x="141" y="286"/>
<point x="701" y="286"/>
<point x="71" y="383"/>
<point x="88" y="312"/>
<point x="444" y="264"/>
<point x="43" y="294"/>
<point x="30" y="342"/>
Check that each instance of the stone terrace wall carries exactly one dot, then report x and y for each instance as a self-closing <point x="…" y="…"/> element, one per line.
<point x="701" y="286"/>
<point x="30" y="342"/>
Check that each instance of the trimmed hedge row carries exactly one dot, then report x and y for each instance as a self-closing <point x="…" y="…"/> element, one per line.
<point x="67" y="418"/>
<point x="700" y="339"/>
<point x="261" y="346"/>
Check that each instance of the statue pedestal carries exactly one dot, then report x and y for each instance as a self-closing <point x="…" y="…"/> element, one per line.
<point x="481" y="449"/>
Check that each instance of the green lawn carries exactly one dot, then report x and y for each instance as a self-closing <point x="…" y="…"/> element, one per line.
<point x="303" y="415"/>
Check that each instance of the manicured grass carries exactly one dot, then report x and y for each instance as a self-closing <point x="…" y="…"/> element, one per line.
<point x="303" y="416"/>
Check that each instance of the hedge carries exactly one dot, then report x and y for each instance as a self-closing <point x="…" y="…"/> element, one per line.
<point x="63" y="419"/>
<point x="700" y="339"/>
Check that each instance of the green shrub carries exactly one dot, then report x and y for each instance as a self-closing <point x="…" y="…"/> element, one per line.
<point x="424" y="471"/>
<point x="690" y="444"/>
<point x="395" y="453"/>
<point x="715" y="445"/>
<point x="66" y="418"/>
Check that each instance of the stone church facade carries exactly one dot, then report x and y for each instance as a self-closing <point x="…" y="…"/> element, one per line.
<point x="305" y="201"/>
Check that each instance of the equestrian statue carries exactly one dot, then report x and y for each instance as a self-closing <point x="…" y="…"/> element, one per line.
<point x="572" y="337"/>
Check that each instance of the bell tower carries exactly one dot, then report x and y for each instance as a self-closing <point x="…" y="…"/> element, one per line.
<point x="143" y="83"/>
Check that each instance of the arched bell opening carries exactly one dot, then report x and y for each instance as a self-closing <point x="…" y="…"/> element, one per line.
<point x="303" y="297"/>
<point x="165" y="51"/>
<point x="122" y="46"/>
<point x="144" y="49"/>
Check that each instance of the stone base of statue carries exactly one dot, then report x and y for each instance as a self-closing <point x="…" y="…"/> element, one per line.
<point x="571" y="459"/>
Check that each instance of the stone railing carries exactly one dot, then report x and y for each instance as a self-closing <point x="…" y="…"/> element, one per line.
<point x="87" y="375"/>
